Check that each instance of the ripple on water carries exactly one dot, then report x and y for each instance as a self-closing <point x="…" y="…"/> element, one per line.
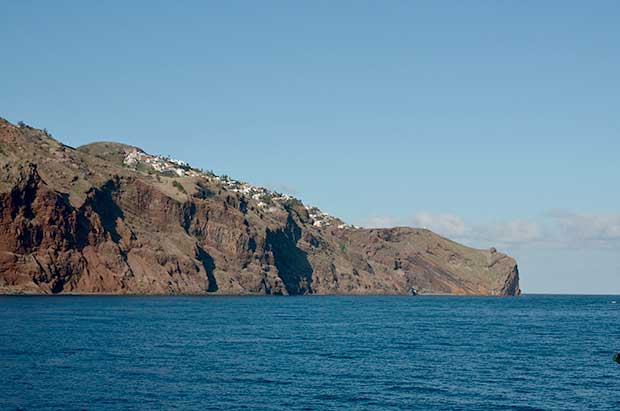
<point x="532" y="352"/>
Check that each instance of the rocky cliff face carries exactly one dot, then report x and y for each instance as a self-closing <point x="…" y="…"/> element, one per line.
<point x="106" y="218"/>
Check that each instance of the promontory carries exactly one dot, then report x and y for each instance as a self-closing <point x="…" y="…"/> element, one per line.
<point x="108" y="218"/>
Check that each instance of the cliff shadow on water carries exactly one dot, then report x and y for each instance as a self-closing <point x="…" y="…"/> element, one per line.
<point x="291" y="261"/>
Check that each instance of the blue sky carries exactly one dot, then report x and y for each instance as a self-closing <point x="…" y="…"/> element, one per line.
<point x="491" y="122"/>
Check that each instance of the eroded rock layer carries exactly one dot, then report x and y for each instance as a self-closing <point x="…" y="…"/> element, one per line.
<point x="83" y="221"/>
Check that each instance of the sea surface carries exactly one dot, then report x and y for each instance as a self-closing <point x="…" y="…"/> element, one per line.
<point x="533" y="352"/>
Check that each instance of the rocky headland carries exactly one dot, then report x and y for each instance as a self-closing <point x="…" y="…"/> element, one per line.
<point x="110" y="218"/>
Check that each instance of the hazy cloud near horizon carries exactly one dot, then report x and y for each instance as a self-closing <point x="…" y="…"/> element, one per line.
<point x="554" y="229"/>
<point x="561" y="251"/>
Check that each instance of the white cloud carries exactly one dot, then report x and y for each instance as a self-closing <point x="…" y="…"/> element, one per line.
<point x="592" y="228"/>
<point x="559" y="251"/>
<point x="556" y="229"/>
<point x="447" y="225"/>
<point x="508" y="232"/>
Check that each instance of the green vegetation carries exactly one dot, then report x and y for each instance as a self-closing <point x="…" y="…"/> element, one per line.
<point x="179" y="186"/>
<point x="144" y="168"/>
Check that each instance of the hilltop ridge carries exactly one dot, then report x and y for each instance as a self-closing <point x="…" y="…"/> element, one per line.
<point x="111" y="218"/>
<point x="137" y="159"/>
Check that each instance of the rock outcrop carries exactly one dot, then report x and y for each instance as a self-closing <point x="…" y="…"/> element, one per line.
<point x="86" y="221"/>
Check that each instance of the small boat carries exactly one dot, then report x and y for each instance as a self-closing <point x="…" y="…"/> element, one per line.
<point x="413" y="291"/>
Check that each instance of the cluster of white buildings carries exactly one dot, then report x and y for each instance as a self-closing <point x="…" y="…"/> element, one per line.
<point x="160" y="164"/>
<point x="322" y="219"/>
<point x="265" y="198"/>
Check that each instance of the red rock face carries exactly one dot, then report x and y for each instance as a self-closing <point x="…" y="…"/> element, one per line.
<point x="8" y="132"/>
<point x="74" y="223"/>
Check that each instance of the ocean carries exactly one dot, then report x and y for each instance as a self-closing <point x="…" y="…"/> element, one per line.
<point x="533" y="352"/>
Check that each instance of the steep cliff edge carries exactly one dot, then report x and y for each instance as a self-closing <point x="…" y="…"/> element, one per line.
<point x="109" y="218"/>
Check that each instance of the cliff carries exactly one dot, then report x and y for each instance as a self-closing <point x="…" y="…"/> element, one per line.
<point x="109" y="218"/>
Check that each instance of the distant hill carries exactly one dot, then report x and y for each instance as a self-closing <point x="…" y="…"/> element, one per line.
<point x="110" y="218"/>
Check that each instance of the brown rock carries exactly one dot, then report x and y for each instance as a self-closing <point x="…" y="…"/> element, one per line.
<point x="77" y="221"/>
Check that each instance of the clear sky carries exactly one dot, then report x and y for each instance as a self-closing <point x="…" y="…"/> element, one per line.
<point x="491" y="122"/>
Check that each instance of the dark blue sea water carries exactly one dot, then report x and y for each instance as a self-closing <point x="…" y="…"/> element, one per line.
<point x="313" y="353"/>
